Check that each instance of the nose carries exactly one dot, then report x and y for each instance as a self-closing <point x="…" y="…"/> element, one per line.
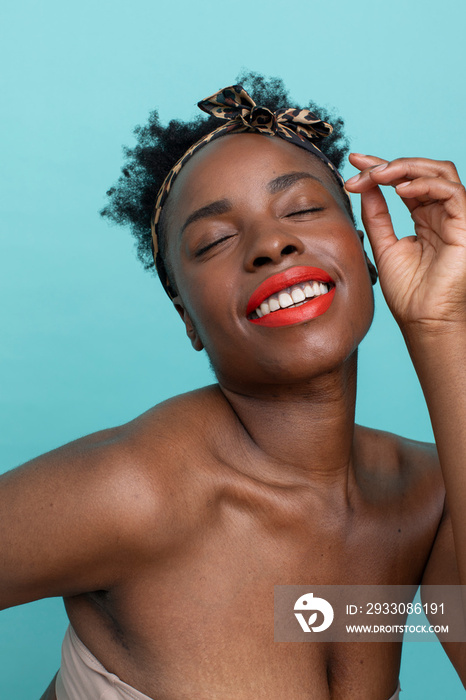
<point x="271" y="247"/>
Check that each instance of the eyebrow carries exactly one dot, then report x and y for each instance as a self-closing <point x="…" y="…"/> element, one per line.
<point x="222" y="206"/>
<point x="283" y="182"/>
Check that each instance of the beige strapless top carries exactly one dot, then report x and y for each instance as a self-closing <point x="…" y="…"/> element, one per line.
<point x="82" y="676"/>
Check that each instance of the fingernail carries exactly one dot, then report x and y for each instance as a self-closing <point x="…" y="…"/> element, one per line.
<point x="403" y="184"/>
<point x="353" y="179"/>
<point x="379" y="167"/>
<point x="358" y="154"/>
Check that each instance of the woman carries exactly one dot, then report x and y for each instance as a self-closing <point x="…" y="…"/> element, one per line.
<point x="166" y="536"/>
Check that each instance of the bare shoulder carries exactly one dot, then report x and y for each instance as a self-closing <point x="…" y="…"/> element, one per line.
<point x="141" y="461"/>
<point x="181" y="431"/>
<point x="411" y="464"/>
<point x="147" y="448"/>
<point x="81" y="516"/>
<point x="399" y="452"/>
<point x="180" y="418"/>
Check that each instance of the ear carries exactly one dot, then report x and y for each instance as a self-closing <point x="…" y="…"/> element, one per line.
<point x="370" y="265"/>
<point x="191" y="331"/>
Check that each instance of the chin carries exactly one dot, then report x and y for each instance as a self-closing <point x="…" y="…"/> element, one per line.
<point x="275" y="372"/>
<point x="294" y="355"/>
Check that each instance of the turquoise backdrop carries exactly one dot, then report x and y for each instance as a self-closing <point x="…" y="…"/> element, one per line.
<point x="89" y="340"/>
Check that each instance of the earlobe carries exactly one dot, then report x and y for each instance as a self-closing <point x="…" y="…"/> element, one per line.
<point x="191" y="331"/>
<point x="370" y="265"/>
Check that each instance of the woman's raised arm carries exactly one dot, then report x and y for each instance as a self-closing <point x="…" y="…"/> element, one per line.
<point x="423" y="278"/>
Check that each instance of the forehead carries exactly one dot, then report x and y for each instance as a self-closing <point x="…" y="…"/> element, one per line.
<point x="240" y="161"/>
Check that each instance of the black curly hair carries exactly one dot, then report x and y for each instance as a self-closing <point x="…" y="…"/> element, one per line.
<point x="131" y="200"/>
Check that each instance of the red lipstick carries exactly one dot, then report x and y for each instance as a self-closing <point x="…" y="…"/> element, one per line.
<point x="311" y="308"/>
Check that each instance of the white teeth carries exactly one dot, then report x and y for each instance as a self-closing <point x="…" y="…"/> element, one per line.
<point x="285" y="300"/>
<point x="297" y="294"/>
<point x="308" y="291"/>
<point x="264" y="308"/>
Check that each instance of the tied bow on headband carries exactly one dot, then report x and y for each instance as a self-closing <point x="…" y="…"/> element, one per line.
<point x="234" y="103"/>
<point x="241" y="114"/>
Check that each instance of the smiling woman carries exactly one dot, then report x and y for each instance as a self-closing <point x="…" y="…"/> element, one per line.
<point x="262" y="479"/>
<point x="261" y="239"/>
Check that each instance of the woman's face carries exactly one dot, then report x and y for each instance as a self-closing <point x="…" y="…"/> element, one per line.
<point x="247" y="218"/>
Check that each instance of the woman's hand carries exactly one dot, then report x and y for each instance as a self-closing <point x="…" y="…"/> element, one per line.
<point x="423" y="276"/>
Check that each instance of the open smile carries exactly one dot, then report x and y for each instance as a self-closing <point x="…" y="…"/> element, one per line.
<point x="293" y="296"/>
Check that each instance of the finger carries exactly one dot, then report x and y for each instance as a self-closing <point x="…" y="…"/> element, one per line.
<point x="364" y="163"/>
<point x="377" y="222"/>
<point x="361" y="161"/>
<point x="411" y="168"/>
<point x="396" y="171"/>
<point x="426" y="190"/>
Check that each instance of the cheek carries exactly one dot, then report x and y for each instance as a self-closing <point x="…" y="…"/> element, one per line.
<point x="357" y="289"/>
<point x="208" y="312"/>
<point x="209" y="294"/>
<point x="361" y="302"/>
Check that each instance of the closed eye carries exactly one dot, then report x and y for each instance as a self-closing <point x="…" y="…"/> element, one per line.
<point x="305" y="211"/>
<point x="203" y="250"/>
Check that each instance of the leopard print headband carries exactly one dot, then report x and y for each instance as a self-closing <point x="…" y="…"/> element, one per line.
<point x="241" y="114"/>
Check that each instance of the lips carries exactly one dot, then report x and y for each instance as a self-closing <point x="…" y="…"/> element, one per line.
<point x="305" y="310"/>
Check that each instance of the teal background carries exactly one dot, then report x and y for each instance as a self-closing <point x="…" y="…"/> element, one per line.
<point x="89" y="339"/>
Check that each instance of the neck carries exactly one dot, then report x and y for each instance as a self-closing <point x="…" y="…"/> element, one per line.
<point x="307" y="431"/>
